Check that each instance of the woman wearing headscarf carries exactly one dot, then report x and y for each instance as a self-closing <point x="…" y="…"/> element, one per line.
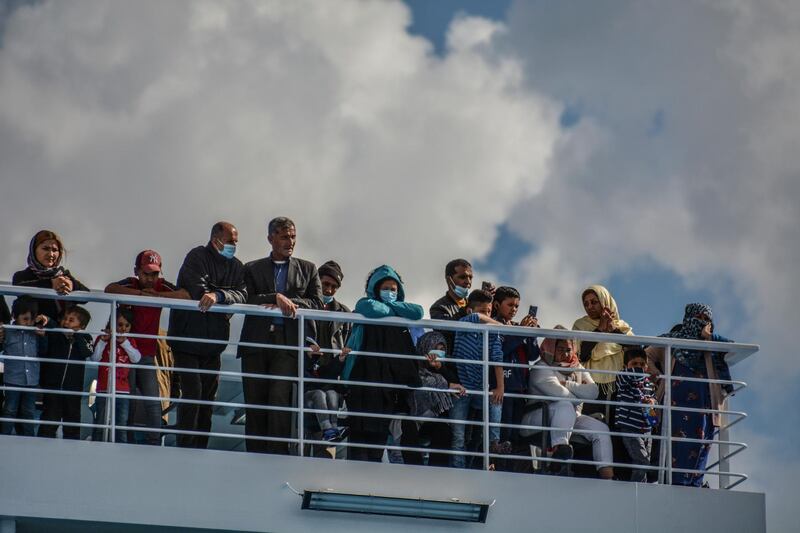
<point x="697" y="325"/>
<point x="45" y="256"/>
<point x="559" y="374"/>
<point x="385" y="297"/>
<point x="433" y="374"/>
<point x="601" y="315"/>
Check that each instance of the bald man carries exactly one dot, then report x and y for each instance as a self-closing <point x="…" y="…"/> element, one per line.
<point x="212" y="275"/>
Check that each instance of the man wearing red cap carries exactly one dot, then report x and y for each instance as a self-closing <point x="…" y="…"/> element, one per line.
<point x="147" y="282"/>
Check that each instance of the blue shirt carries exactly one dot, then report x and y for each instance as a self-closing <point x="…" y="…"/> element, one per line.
<point x="469" y="345"/>
<point x="280" y="271"/>
<point x="23" y="343"/>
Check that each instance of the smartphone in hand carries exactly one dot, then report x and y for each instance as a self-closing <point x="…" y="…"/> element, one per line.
<point x="532" y="310"/>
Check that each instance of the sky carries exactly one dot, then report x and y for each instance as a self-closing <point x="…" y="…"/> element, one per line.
<point x="648" y="146"/>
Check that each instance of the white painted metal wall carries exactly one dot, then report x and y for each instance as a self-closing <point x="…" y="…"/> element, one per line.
<point x="139" y="485"/>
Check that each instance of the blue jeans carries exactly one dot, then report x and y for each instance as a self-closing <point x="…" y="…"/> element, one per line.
<point x="19" y="404"/>
<point x="460" y="411"/>
<point x="120" y="418"/>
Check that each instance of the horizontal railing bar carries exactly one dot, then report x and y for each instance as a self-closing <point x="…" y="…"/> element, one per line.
<point x="334" y="316"/>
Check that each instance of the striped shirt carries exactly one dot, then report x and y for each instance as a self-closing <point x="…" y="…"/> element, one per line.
<point x="469" y="345"/>
<point x="633" y="389"/>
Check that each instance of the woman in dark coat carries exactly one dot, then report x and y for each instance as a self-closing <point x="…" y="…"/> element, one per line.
<point x="384" y="297"/>
<point x="44" y="270"/>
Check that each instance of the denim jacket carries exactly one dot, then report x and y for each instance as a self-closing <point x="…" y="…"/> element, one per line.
<point x="27" y="344"/>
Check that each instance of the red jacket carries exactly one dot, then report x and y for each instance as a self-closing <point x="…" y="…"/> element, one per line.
<point x="127" y="353"/>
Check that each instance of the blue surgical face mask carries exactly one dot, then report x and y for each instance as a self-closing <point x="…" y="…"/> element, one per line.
<point x="388" y="296"/>
<point x="438" y="353"/>
<point x="228" y="251"/>
<point x="460" y="292"/>
<point x="327" y="299"/>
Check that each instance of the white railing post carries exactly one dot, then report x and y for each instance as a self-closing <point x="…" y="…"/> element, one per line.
<point x="724" y="449"/>
<point x="486" y="460"/>
<point x="112" y="373"/>
<point x="301" y="384"/>
<point x="668" y="414"/>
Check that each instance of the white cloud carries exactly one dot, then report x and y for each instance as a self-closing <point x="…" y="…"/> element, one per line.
<point x="686" y="155"/>
<point x="132" y="125"/>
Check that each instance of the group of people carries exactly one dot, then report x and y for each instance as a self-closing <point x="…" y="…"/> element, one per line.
<point x="436" y="375"/>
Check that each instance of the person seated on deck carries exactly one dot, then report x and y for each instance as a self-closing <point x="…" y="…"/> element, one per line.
<point x="559" y="374"/>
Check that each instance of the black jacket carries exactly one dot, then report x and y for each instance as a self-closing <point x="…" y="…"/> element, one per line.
<point x="205" y="270"/>
<point x="302" y="287"/>
<point x="381" y="339"/>
<point x="60" y="376"/>
<point x="333" y="335"/>
<point x="48" y="306"/>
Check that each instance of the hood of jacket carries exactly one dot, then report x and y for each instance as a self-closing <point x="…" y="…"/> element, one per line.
<point x="381" y="273"/>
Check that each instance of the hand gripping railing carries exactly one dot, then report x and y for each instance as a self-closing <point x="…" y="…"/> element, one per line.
<point x="735" y="353"/>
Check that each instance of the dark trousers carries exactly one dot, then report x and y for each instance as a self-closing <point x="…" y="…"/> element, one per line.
<point x="367" y="454"/>
<point x="58" y="408"/>
<point x="414" y="435"/>
<point x="145" y="383"/>
<point x="192" y="416"/>
<point x="259" y="391"/>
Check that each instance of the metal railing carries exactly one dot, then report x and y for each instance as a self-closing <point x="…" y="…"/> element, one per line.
<point x="735" y="352"/>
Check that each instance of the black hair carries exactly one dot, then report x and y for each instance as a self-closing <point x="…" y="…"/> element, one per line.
<point x="24" y="304"/>
<point x="216" y="230"/>
<point x="450" y="268"/>
<point x="504" y="293"/>
<point x="479" y="296"/>
<point x="84" y="317"/>
<point x="279" y="223"/>
<point x="124" y="312"/>
<point x="633" y="352"/>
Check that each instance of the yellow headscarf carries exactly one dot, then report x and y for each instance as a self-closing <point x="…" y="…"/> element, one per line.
<point x="605" y="355"/>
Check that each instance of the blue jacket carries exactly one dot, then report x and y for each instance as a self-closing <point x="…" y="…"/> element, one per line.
<point x="23" y="343"/>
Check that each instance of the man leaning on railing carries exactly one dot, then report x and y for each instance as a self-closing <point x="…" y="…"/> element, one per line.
<point x="212" y="275"/>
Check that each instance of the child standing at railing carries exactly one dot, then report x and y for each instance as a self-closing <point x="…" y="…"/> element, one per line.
<point x="23" y="373"/>
<point x="640" y="390"/>
<point x="67" y="376"/>
<point x="469" y="346"/>
<point x="125" y="353"/>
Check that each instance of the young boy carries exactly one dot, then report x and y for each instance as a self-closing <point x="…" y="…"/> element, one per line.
<point x="23" y="373"/>
<point x="516" y="350"/>
<point x="469" y="346"/>
<point x="126" y="353"/>
<point x="66" y="376"/>
<point x="639" y="390"/>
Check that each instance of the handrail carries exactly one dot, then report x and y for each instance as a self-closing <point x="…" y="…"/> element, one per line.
<point x="734" y="353"/>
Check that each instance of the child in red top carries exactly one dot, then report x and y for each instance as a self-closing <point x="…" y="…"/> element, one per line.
<point x="126" y="354"/>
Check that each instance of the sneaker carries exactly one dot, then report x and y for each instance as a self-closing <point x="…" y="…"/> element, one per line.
<point x="335" y="434"/>
<point x="563" y="452"/>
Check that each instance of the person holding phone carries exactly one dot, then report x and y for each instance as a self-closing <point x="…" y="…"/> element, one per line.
<point x="517" y="350"/>
<point x="602" y="316"/>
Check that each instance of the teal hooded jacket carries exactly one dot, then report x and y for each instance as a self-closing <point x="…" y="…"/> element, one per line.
<point x="372" y="307"/>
